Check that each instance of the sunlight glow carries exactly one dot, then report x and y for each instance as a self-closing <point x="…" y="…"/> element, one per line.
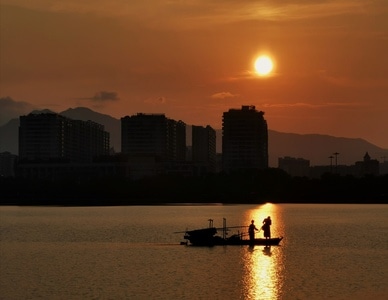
<point x="263" y="65"/>
<point x="264" y="266"/>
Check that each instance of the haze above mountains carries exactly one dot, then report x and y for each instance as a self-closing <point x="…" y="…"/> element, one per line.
<point x="314" y="147"/>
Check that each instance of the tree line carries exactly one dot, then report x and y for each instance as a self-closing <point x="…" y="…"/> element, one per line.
<point x="258" y="186"/>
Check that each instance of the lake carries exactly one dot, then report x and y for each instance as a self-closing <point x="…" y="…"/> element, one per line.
<point x="132" y="252"/>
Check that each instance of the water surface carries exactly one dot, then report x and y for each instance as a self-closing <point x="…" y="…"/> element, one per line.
<point x="328" y="251"/>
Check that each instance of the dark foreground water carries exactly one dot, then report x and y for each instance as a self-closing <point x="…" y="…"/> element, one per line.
<point x="328" y="252"/>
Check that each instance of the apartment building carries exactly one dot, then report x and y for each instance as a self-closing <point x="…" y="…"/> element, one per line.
<point x="244" y="139"/>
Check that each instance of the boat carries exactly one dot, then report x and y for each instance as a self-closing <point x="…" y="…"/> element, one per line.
<point x="208" y="237"/>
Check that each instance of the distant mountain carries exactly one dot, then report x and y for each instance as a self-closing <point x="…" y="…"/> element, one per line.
<point x="314" y="147"/>
<point x="317" y="148"/>
<point x="43" y="111"/>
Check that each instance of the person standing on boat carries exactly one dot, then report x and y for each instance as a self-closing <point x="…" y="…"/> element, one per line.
<point x="267" y="227"/>
<point x="251" y="231"/>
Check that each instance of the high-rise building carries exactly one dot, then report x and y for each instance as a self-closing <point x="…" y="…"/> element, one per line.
<point x="244" y="139"/>
<point x="7" y="164"/>
<point x="204" y="148"/>
<point x="49" y="137"/>
<point x="153" y="135"/>
<point x="180" y="133"/>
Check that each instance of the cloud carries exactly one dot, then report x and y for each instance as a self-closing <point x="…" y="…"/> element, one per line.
<point x="10" y="109"/>
<point x="198" y="13"/>
<point x="157" y="100"/>
<point x="313" y="105"/>
<point x="223" y="95"/>
<point x="103" y="96"/>
<point x="350" y="82"/>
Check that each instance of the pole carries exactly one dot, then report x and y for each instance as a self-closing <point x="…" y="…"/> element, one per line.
<point x="224" y="229"/>
<point x="331" y="163"/>
<point x="336" y="161"/>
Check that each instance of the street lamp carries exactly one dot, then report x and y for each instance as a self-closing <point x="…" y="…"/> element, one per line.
<point x="336" y="161"/>
<point x="331" y="163"/>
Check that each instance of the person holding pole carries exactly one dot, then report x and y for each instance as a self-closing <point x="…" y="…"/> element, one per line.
<point x="251" y="231"/>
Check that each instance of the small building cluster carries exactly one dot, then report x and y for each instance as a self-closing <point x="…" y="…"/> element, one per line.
<point x="299" y="167"/>
<point x="294" y="166"/>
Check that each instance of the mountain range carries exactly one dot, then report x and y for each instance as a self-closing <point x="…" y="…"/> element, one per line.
<point x="314" y="147"/>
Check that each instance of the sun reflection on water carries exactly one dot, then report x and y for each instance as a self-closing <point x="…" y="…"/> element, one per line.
<point x="263" y="266"/>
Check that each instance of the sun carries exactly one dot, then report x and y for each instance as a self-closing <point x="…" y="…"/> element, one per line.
<point x="263" y="65"/>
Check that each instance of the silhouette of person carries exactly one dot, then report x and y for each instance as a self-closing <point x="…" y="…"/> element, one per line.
<point x="267" y="227"/>
<point x="251" y="231"/>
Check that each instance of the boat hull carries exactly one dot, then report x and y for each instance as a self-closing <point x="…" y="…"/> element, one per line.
<point x="218" y="241"/>
<point x="257" y="242"/>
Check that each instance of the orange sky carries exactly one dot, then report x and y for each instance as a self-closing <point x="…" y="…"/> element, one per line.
<point x="193" y="60"/>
